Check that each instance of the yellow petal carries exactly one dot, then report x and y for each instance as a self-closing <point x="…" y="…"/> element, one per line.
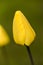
<point x="18" y="29"/>
<point x="4" y="39"/>
<point x="30" y="33"/>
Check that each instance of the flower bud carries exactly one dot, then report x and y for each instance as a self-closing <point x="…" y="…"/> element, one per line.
<point x="23" y="33"/>
<point x="4" y="38"/>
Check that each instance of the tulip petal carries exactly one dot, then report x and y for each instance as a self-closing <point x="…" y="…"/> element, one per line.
<point x="30" y="33"/>
<point x="18" y="29"/>
<point x="4" y="39"/>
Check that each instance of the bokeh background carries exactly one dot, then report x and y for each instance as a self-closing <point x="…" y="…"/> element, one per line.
<point x="13" y="54"/>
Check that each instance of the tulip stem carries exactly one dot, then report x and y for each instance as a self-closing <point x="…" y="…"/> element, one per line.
<point x="30" y="55"/>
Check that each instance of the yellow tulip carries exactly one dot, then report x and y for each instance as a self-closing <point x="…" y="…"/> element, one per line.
<point x="23" y="33"/>
<point x="4" y="38"/>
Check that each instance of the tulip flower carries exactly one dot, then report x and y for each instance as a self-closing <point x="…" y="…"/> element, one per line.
<point x="23" y="33"/>
<point x="4" y="38"/>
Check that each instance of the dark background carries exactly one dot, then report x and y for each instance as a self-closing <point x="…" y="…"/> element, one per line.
<point x="13" y="54"/>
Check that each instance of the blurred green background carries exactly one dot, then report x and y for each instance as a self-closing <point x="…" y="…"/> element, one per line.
<point x="13" y="54"/>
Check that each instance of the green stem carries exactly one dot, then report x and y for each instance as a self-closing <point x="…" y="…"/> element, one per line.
<point x="30" y="55"/>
